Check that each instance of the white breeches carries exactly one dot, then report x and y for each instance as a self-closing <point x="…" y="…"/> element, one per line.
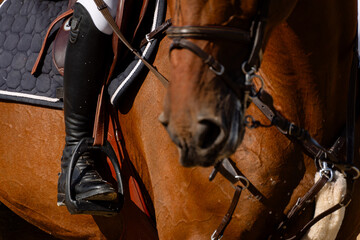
<point x="97" y="17"/>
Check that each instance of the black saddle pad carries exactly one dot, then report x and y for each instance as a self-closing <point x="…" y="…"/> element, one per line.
<point x="23" y="26"/>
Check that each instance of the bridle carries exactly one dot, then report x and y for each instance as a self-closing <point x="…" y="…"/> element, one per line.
<point x="326" y="160"/>
<point x="253" y="37"/>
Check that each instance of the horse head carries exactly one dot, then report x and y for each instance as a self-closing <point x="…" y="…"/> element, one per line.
<point x="215" y="43"/>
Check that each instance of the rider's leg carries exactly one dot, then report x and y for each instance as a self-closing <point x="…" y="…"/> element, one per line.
<point x="96" y="15"/>
<point x="85" y="66"/>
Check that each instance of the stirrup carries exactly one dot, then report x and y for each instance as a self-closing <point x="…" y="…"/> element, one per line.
<point x="103" y="208"/>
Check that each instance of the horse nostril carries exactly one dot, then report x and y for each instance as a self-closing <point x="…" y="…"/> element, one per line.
<point x="208" y="133"/>
<point x="163" y="120"/>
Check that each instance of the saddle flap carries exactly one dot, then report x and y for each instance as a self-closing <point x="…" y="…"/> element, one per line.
<point x="60" y="45"/>
<point x="60" y="42"/>
<point x="128" y="20"/>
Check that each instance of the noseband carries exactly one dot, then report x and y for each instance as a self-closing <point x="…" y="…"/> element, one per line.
<point x="326" y="160"/>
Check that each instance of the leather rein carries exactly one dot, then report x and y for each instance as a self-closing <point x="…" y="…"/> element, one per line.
<point x="326" y="160"/>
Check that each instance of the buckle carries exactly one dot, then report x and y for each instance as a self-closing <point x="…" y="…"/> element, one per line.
<point x="352" y="168"/>
<point x="218" y="72"/>
<point x="326" y="171"/>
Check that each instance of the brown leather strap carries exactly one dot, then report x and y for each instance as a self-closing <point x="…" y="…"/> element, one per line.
<point x="101" y="118"/>
<point x="105" y="12"/>
<point x="303" y="202"/>
<point x="310" y="145"/>
<point x="343" y="203"/>
<point x="41" y="53"/>
<point x="227" y="218"/>
<point x="351" y="107"/>
<point x="209" y="33"/>
<point x="306" y="199"/>
<point x="302" y="232"/>
<point x="141" y="16"/>
<point x="257" y="35"/>
<point x="207" y="58"/>
<point x="156" y="33"/>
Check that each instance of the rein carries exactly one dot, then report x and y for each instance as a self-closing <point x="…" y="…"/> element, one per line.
<point x="326" y="160"/>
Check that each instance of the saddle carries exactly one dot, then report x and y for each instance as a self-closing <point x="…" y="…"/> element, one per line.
<point x="128" y="21"/>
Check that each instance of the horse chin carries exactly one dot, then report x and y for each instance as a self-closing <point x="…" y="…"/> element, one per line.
<point x="189" y="157"/>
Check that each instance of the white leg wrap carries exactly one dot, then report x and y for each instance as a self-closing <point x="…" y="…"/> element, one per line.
<point x="97" y="17"/>
<point x="329" y="195"/>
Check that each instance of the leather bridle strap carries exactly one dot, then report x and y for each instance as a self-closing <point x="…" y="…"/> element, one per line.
<point x="300" y="205"/>
<point x="344" y="202"/>
<point x="289" y="129"/>
<point x="209" y="33"/>
<point x="181" y="43"/>
<point x="257" y="33"/>
<point x="253" y="37"/>
<point x="346" y="199"/>
<point x="157" y="33"/>
<point x="228" y="216"/>
<point x="228" y="169"/>
<point x="351" y="107"/>
<point x="216" y="67"/>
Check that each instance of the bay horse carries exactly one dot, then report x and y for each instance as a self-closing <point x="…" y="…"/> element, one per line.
<point x="187" y="205"/>
<point x="308" y="49"/>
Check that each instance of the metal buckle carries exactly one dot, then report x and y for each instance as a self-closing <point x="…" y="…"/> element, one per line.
<point x="290" y="128"/>
<point x="326" y="171"/>
<point x="250" y="122"/>
<point x="245" y="179"/>
<point x="220" y="72"/>
<point x="356" y="170"/>
<point x="250" y="75"/>
<point x="148" y="39"/>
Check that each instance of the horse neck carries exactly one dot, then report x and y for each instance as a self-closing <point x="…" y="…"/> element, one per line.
<point x="307" y="65"/>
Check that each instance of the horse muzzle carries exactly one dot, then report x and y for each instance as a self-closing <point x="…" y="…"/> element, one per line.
<point x="207" y="139"/>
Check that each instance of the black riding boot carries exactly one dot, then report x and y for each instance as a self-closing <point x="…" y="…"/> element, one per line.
<point x="85" y="66"/>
